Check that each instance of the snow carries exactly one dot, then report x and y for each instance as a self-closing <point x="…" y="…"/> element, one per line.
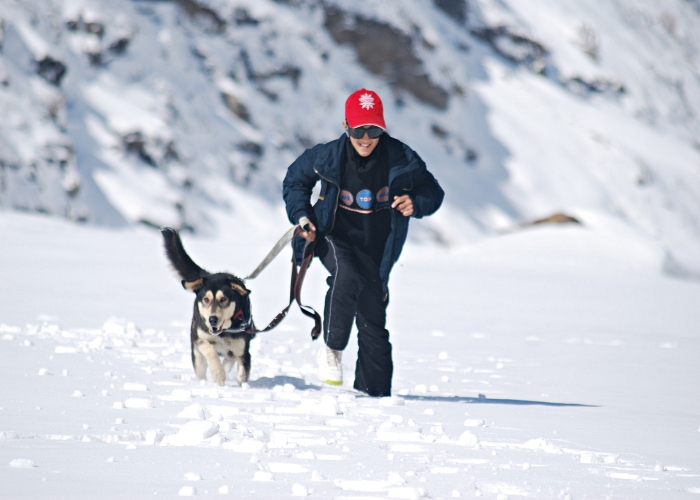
<point x="597" y="406"/>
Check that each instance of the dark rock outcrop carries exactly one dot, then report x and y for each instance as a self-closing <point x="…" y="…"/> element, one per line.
<point x="51" y="70"/>
<point x="558" y="218"/>
<point x="136" y="143"/>
<point x="580" y="85"/>
<point x="94" y="27"/>
<point x="515" y="47"/>
<point x="206" y="17"/>
<point x="386" y="51"/>
<point x="456" y="9"/>
<point x="293" y="73"/>
<point x="236" y="106"/>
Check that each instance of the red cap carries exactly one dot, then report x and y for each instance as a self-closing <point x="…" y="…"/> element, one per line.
<point x="364" y="107"/>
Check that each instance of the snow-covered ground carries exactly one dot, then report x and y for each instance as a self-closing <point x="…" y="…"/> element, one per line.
<point x="551" y="362"/>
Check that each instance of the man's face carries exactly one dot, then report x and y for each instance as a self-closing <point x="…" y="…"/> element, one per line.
<point x="364" y="146"/>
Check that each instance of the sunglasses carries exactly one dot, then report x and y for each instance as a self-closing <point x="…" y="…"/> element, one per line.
<point x="358" y="133"/>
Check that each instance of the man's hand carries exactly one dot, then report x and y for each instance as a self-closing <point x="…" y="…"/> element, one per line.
<point x="403" y="204"/>
<point x="310" y="234"/>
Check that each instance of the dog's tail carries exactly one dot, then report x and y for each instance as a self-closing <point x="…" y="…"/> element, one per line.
<point x="183" y="265"/>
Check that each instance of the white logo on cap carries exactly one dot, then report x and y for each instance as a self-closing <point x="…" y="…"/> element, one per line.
<point x="367" y="101"/>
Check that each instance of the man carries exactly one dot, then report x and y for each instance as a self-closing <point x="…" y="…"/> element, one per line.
<point x="371" y="184"/>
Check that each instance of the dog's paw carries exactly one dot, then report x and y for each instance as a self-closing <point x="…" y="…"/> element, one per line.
<point x="243" y="375"/>
<point x="219" y="375"/>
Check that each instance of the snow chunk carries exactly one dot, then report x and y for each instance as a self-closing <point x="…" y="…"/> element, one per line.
<point x="5" y="435"/>
<point x="193" y="433"/>
<point x="187" y="491"/>
<point x="154" y="437"/>
<point x="138" y="403"/>
<point x="131" y="436"/>
<point x="469" y="439"/>
<point x="541" y="444"/>
<point x="346" y="398"/>
<point x="195" y="411"/>
<point x="193" y="476"/>
<point x="623" y="475"/>
<point x="22" y="463"/>
<point x="474" y="422"/>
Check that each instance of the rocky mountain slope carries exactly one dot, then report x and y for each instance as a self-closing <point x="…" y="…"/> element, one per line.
<point x="163" y="112"/>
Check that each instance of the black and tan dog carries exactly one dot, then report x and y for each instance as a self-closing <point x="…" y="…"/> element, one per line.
<point x="221" y="315"/>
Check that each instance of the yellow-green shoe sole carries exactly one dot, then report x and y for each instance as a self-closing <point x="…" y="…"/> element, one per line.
<point x="332" y="382"/>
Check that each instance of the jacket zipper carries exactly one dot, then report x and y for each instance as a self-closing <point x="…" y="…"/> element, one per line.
<point x="337" y="196"/>
<point x="390" y="243"/>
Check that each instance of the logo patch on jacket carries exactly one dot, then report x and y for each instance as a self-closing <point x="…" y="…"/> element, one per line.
<point x="365" y="199"/>
<point x="346" y="197"/>
<point x="383" y="197"/>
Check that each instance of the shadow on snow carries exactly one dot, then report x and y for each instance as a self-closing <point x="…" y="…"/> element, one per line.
<point x="484" y="400"/>
<point x="271" y="382"/>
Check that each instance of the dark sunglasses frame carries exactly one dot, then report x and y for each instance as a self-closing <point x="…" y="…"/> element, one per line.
<point x="358" y="133"/>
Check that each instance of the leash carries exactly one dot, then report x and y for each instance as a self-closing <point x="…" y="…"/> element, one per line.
<point x="298" y="275"/>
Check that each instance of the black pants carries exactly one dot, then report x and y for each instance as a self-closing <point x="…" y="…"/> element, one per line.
<point x="355" y="294"/>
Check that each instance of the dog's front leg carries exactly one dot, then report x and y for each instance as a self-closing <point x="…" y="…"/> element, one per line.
<point x="199" y="362"/>
<point x="243" y="368"/>
<point x="212" y="358"/>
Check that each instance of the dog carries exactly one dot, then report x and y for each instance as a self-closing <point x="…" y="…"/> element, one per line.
<point x="221" y="321"/>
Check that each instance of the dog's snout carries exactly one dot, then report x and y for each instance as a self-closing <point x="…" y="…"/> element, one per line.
<point x="213" y="320"/>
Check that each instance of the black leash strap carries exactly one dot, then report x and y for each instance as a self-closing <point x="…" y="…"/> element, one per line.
<point x="298" y="276"/>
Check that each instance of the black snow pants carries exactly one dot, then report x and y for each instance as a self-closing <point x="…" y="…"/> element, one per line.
<point x="355" y="294"/>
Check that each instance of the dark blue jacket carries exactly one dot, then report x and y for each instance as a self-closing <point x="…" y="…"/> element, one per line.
<point x="324" y="162"/>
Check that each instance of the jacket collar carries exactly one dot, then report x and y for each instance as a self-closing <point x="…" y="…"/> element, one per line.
<point x="328" y="163"/>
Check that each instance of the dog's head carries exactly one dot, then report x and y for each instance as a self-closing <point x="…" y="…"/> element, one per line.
<point x="222" y="301"/>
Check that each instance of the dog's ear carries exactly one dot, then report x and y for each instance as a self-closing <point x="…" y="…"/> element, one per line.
<point x="193" y="286"/>
<point x="239" y="288"/>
